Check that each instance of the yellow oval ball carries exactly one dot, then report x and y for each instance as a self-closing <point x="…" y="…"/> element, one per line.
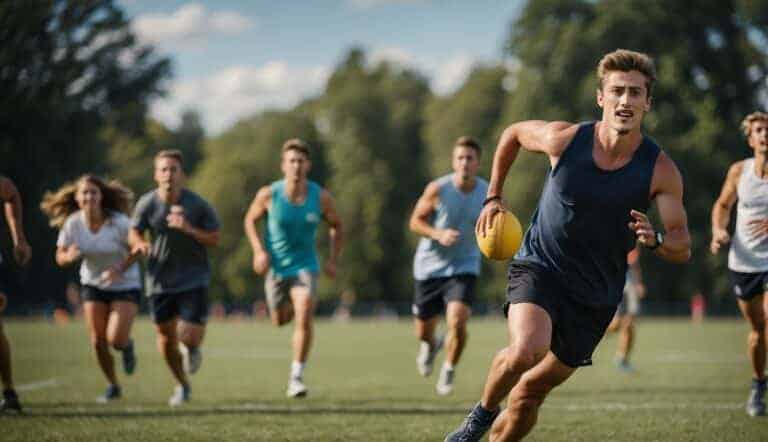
<point x="503" y="239"/>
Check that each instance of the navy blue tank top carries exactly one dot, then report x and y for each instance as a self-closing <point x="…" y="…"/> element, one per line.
<point x="580" y="228"/>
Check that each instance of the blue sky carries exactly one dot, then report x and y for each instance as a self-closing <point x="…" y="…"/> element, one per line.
<point x="235" y="58"/>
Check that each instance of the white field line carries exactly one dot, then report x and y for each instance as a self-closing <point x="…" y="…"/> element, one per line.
<point x="47" y="383"/>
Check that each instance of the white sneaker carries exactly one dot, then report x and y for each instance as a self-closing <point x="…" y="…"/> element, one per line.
<point x="445" y="382"/>
<point x="190" y="359"/>
<point x="296" y="388"/>
<point x="426" y="356"/>
<point x="180" y="396"/>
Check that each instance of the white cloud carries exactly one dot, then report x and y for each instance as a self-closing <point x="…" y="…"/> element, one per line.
<point x="446" y="74"/>
<point x="368" y="4"/>
<point x="238" y="91"/>
<point x="189" y="25"/>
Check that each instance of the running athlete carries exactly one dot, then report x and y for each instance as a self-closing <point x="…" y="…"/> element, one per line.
<point x="293" y="207"/>
<point x="92" y="216"/>
<point x="747" y="183"/>
<point x="12" y="207"/>
<point x="566" y="281"/>
<point x="624" y="320"/>
<point x="447" y="259"/>
<point x="182" y="226"/>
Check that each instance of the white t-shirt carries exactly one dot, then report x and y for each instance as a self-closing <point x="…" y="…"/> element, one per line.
<point x="101" y="250"/>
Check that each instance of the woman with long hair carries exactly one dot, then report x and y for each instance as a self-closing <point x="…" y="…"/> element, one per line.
<point x="91" y="216"/>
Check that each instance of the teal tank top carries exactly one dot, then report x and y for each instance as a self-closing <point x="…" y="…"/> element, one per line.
<point x="456" y="210"/>
<point x="291" y="229"/>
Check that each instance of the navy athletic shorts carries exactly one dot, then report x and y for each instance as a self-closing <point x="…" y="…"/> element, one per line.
<point x="190" y="306"/>
<point x="432" y="295"/>
<point x="748" y="285"/>
<point x="95" y="294"/>
<point x="576" y="328"/>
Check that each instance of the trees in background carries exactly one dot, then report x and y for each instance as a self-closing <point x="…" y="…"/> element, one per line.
<point x="68" y="71"/>
<point x="76" y="87"/>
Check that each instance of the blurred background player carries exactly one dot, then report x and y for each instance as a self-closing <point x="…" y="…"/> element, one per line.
<point x="12" y="207"/>
<point x="92" y="216"/>
<point x="447" y="260"/>
<point x="624" y="320"/>
<point x="747" y="183"/>
<point x="294" y="207"/>
<point x="182" y="226"/>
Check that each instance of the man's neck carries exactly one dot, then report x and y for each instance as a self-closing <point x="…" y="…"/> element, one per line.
<point x="761" y="166"/>
<point x="170" y="196"/>
<point x="295" y="190"/>
<point x="465" y="185"/>
<point x="616" y="144"/>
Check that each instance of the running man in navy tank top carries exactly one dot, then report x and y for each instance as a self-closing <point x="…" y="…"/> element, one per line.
<point x="747" y="183"/>
<point x="293" y="208"/>
<point x="567" y="279"/>
<point x="447" y="259"/>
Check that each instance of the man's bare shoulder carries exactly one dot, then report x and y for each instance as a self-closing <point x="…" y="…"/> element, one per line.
<point x="559" y="135"/>
<point x="736" y="168"/>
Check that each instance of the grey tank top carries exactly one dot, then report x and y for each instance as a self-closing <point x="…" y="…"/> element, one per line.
<point x="749" y="254"/>
<point x="456" y="210"/>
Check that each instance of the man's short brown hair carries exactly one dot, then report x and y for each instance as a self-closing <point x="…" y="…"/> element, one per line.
<point x="469" y="142"/>
<point x="297" y="145"/>
<point x="171" y="153"/>
<point x="625" y="60"/>
<point x="746" y="124"/>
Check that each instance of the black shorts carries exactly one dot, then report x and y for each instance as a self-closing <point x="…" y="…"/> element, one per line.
<point x="95" y="294"/>
<point x="432" y="295"/>
<point x="576" y="328"/>
<point x="748" y="285"/>
<point x="191" y="305"/>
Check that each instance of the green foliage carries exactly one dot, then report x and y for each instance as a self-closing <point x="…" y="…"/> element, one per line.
<point x="69" y="69"/>
<point x="375" y="156"/>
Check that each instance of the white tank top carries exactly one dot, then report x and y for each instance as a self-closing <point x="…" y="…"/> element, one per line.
<point x="749" y="254"/>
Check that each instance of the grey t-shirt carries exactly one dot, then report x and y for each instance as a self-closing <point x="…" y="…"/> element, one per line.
<point x="177" y="262"/>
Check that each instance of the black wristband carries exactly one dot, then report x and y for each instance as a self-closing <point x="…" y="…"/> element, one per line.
<point x="491" y="198"/>
<point x="659" y="241"/>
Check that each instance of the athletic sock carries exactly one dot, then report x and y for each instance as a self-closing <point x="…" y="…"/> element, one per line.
<point x="448" y="366"/>
<point x="297" y="369"/>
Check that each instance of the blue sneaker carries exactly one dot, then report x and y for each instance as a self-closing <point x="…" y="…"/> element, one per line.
<point x="624" y="365"/>
<point x="112" y="393"/>
<point x="756" y="401"/>
<point x="475" y="425"/>
<point x="129" y="359"/>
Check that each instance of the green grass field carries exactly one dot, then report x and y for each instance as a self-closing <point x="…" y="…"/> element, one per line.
<point x="690" y="385"/>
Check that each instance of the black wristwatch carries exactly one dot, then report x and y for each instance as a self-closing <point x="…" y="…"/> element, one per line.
<point x="659" y="241"/>
<point x="491" y="198"/>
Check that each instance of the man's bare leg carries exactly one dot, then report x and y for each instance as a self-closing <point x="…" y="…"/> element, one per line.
<point x="526" y="398"/>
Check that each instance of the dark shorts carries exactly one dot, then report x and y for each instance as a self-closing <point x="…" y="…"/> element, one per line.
<point x="748" y="285"/>
<point x="432" y="295"/>
<point x="576" y="328"/>
<point x="95" y="294"/>
<point x="190" y="306"/>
